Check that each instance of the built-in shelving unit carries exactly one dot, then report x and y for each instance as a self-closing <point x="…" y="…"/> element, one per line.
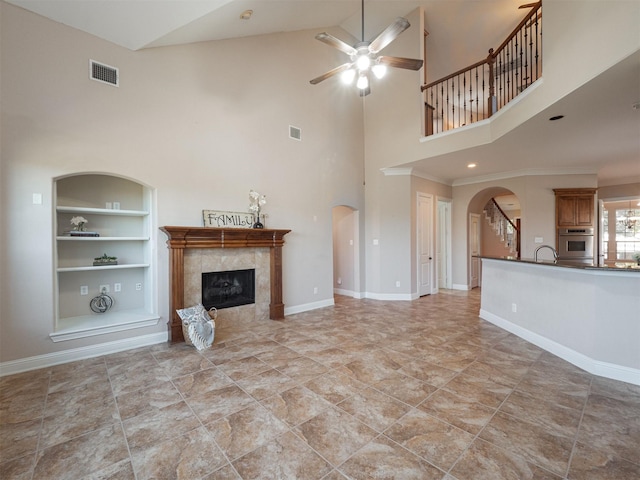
<point x="126" y="233"/>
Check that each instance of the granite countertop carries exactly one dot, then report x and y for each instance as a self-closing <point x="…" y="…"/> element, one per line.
<point x="628" y="267"/>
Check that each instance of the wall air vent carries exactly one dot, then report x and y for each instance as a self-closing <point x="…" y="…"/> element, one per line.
<point x="295" y="133"/>
<point x="103" y="73"/>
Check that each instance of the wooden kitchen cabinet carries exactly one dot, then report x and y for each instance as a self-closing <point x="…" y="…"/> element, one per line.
<point x="574" y="207"/>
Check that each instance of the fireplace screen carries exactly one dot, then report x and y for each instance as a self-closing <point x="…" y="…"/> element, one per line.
<point x="228" y="289"/>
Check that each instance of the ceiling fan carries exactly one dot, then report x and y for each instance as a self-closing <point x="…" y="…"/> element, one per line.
<point x="364" y="56"/>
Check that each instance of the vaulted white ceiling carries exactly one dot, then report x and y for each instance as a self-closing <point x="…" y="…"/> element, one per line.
<point x="137" y="24"/>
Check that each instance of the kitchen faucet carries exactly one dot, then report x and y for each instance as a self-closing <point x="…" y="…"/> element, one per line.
<point x="555" y="254"/>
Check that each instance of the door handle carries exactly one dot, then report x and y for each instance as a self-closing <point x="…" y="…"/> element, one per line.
<point x="430" y="258"/>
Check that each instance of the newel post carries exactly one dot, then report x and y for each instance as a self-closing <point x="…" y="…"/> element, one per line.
<point x="492" y="100"/>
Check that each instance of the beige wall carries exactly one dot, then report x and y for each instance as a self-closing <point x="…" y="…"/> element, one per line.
<point x="395" y="108"/>
<point x="201" y="124"/>
<point x="624" y="191"/>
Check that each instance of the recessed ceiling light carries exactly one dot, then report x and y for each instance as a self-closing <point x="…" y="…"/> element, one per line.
<point x="472" y="165"/>
<point x="557" y="117"/>
<point x="246" y="15"/>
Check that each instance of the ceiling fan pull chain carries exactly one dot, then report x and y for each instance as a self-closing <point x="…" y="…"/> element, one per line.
<point x="362" y="22"/>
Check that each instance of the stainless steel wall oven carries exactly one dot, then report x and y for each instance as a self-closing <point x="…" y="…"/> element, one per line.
<point x="576" y="244"/>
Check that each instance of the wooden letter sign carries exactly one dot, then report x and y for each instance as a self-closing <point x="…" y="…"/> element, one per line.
<point x="214" y="218"/>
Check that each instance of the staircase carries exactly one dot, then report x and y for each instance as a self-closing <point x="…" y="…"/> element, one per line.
<point x="504" y="228"/>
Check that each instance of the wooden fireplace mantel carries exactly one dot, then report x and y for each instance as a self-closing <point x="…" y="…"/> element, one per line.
<point x="180" y="238"/>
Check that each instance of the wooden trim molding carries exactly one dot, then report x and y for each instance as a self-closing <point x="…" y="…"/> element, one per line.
<point x="181" y="238"/>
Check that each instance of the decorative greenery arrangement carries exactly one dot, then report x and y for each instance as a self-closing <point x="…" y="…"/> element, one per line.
<point x="105" y="260"/>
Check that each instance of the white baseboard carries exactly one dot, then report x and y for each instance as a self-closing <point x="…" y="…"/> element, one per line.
<point x="596" y="367"/>
<point x="308" y="306"/>
<point x="74" y="354"/>
<point x="460" y="286"/>
<point x="348" y="293"/>
<point x="389" y="296"/>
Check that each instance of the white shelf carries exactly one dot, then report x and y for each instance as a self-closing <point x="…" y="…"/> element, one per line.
<point x="101" y="211"/>
<point x="67" y="238"/>
<point x="102" y="267"/>
<point x="125" y="234"/>
<point x="99" y="324"/>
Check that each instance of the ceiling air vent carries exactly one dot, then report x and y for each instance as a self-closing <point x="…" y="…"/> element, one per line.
<point x="103" y="73"/>
<point x="295" y="133"/>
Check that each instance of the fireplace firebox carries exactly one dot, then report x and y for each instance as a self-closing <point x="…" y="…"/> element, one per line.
<point x="228" y="289"/>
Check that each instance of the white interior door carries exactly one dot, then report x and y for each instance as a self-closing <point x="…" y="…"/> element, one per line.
<point x="474" y="250"/>
<point x="425" y="241"/>
<point x="443" y="245"/>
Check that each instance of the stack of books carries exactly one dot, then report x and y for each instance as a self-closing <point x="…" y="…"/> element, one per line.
<point x="76" y="233"/>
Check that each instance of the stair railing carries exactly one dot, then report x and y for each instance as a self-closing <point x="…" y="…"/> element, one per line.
<point x="508" y="231"/>
<point x="477" y="92"/>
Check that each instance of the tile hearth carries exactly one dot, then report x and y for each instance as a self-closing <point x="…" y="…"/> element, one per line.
<point x="364" y="390"/>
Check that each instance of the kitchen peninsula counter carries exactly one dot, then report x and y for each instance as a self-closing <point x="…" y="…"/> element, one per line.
<point x="589" y="316"/>
<point x="629" y="268"/>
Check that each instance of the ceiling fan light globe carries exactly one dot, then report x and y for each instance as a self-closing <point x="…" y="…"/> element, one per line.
<point x="379" y="70"/>
<point x="363" y="82"/>
<point x="348" y="76"/>
<point x="363" y="62"/>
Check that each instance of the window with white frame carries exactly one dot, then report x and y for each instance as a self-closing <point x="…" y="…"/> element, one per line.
<point x="621" y="230"/>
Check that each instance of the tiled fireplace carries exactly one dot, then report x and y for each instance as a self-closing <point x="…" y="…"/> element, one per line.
<point x="197" y="250"/>
<point x="202" y="261"/>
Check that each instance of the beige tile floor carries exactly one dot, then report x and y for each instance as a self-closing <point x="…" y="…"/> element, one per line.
<point x="364" y="390"/>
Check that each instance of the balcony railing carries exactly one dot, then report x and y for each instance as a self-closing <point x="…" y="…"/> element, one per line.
<point x="480" y="90"/>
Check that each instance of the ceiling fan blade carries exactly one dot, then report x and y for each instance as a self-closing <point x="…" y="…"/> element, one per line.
<point x="336" y="43"/>
<point x="389" y="34"/>
<point x="331" y="73"/>
<point x="400" y="62"/>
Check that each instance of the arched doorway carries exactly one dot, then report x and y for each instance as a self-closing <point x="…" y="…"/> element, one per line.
<point x="493" y="217"/>
<point x="346" y="251"/>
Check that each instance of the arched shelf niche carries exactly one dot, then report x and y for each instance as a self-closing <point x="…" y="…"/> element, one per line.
<point x="119" y="224"/>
